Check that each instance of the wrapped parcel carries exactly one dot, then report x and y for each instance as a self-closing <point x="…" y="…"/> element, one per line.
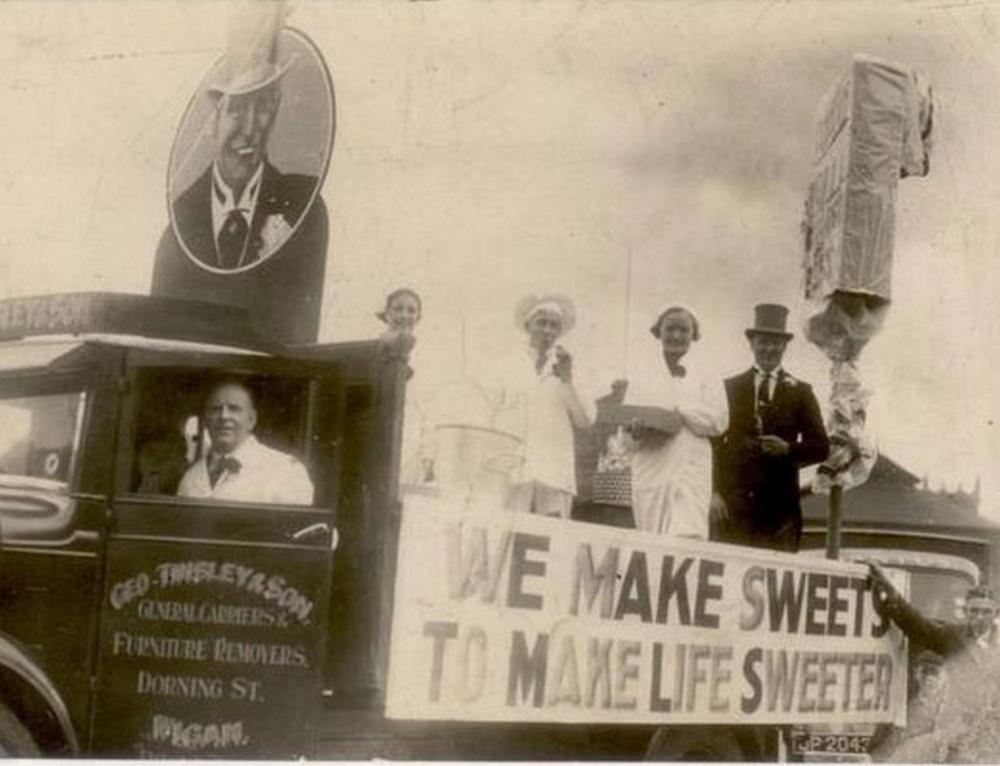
<point x="873" y="128"/>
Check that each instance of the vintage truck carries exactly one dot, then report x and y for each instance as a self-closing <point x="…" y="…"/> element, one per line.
<point x="134" y="622"/>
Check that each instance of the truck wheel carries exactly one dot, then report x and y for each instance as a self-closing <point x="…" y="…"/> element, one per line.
<point x="694" y="743"/>
<point x="15" y="739"/>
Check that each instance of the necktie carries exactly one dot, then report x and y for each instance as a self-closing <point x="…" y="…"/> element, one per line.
<point x="220" y="464"/>
<point x="233" y="240"/>
<point x="764" y="392"/>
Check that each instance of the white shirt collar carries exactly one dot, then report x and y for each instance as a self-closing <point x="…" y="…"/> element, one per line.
<point x="758" y="373"/>
<point x="772" y="381"/>
<point x="223" y="202"/>
<point x="247" y="446"/>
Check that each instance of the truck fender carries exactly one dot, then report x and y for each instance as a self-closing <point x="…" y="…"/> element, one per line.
<point x="34" y="696"/>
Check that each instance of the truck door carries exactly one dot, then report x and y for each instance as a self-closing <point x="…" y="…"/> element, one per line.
<point x="214" y="610"/>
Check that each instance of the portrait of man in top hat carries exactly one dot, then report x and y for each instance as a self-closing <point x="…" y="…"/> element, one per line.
<point x="247" y="224"/>
<point x="775" y="429"/>
<point x="242" y="207"/>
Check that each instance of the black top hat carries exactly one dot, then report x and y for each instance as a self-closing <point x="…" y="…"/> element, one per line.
<point x="769" y="319"/>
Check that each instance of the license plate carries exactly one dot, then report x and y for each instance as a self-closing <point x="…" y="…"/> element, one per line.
<point x="832" y="744"/>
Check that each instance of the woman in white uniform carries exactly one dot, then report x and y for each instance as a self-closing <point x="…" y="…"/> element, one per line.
<point x="542" y="407"/>
<point x="672" y="473"/>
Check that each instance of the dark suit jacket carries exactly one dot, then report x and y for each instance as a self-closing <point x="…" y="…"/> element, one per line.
<point x="949" y="641"/>
<point x="284" y="194"/>
<point x="762" y="491"/>
<point x="283" y="293"/>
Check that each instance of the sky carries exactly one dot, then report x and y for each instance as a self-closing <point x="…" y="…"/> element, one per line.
<point x="630" y="154"/>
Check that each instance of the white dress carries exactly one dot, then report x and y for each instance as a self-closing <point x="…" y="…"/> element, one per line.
<point x="672" y="478"/>
<point x="541" y="409"/>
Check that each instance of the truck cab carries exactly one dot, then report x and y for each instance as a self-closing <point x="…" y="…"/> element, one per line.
<point x="137" y="622"/>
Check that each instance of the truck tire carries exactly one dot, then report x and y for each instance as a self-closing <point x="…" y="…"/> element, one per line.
<point x="15" y="740"/>
<point x="694" y="743"/>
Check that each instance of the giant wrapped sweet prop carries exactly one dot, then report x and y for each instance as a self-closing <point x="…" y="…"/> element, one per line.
<point x="873" y="128"/>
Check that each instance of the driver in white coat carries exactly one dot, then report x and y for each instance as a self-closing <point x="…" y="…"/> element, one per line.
<point x="237" y="466"/>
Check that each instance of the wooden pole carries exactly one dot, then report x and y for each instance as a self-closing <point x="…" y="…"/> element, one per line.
<point x="833" y="522"/>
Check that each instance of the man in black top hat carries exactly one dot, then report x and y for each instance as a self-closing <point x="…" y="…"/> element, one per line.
<point x="775" y="428"/>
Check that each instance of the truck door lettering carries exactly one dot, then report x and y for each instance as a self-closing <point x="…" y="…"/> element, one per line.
<point x="198" y="736"/>
<point x="241" y="688"/>
<point x="186" y="687"/>
<point x="123" y="593"/>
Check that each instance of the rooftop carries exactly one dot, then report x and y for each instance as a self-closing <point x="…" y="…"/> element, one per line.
<point x="893" y="494"/>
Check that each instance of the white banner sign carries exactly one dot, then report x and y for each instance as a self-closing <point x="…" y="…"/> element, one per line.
<point x="504" y="617"/>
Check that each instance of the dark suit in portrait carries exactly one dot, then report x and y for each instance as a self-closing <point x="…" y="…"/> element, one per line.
<point x="284" y="290"/>
<point x="761" y="490"/>
<point x="285" y="195"/>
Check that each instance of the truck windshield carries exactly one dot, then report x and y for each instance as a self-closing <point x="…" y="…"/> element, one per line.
<point x="937" y="594"/>
<point x="38" y="435"/>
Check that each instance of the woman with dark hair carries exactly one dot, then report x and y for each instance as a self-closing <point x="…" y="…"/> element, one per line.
<point x="402" y="312"/>
<point x="672" y="471"/>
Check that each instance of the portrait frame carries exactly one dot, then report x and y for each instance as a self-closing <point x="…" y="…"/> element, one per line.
<point x="300" y="142"/>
